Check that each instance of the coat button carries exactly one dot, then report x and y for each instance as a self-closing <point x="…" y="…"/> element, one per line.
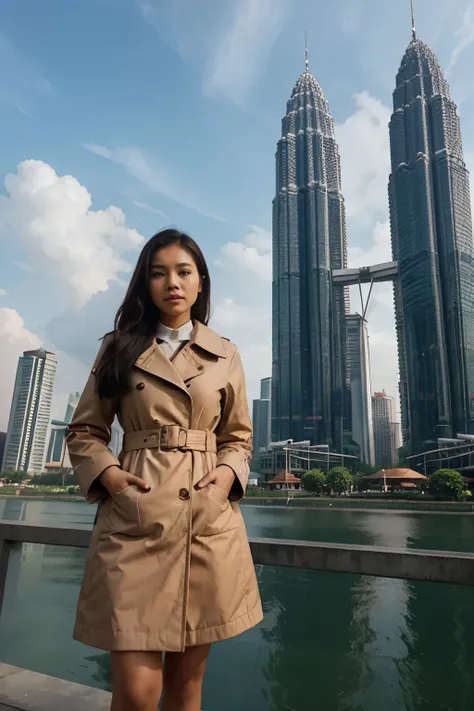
<point x="140" y="386"/>
<point x="200" y="367"/>
<point x="183" y="494"/>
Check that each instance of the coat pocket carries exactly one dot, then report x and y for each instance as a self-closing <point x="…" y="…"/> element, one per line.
<point x="219" y="494"/>
<point x="212" y="511"/>
<point x="124" y="514"/>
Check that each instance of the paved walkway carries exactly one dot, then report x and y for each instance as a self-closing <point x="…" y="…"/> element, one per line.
<point x="22" y="690"/>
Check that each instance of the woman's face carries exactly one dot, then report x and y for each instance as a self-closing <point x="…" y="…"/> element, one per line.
<point x="175" y="284"/>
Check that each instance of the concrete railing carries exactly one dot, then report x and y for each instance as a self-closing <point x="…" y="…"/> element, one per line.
<point x="403" y="563"/>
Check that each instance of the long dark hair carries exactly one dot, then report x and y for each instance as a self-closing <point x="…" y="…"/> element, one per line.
<point x="137" y="318"/>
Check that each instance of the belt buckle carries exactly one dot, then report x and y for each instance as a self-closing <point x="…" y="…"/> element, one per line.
<point x="182" y="439"/>
<point x="164" y="437"/>
<point x="173" y="437"/>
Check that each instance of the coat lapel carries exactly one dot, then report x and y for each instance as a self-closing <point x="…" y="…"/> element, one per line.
<point x="154" y="361"/>
<point x="204" y="348"/>
<point x="189" y="362"/>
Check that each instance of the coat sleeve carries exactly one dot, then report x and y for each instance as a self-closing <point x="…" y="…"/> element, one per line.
<point x="89" y="435"/>
<point x="234" y="432"/>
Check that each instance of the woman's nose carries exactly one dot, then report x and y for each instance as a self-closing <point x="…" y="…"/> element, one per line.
<point x="172" y="282"/>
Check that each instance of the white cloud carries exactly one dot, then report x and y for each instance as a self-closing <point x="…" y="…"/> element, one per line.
<point x="229" y="42"/>
<point x="248" y="325"/>
<point x="379" y="251"/>
<point x="243" y="310"/>
<point x="15" y="339"/>
<point x="365" y="160"/>
<point x="252" y="253"/>
<point x="3" y="292"/>
<point x="53" y="217"/>
<point x="465" y="37"/>
<point x="242" y="52"/>
<point x="148" y="208"/>
<point x="139" y="164"/>
<point x="228" y="314"/>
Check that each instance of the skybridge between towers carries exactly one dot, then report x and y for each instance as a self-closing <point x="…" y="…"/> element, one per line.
<point x="388" y="271"/>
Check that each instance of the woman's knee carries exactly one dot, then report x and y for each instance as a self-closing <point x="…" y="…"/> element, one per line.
<point x="185" y="671"/>
<point x="137" y="683"/>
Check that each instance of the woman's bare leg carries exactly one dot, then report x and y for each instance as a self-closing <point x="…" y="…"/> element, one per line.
<point x="183" y="674"/>
<point x="137" y="679"/>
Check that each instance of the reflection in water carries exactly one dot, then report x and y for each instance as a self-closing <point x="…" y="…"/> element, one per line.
<point x="330" y="642"/>
<point x="382" y="625"/>
<point x="310" y="656"/>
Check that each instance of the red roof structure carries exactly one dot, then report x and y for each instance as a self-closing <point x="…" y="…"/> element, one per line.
<point x="284" y="478"/>
<point x="397" y="474"/>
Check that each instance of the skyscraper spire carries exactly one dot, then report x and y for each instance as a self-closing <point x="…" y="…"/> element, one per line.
<point x="306" y="63"/>
<point x="413" y="28"/>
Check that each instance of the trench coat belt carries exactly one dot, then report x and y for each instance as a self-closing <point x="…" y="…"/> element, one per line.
<point x="170" y="437"/>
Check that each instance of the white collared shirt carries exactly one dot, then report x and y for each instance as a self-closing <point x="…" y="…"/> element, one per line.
<point x="171" y="340"/>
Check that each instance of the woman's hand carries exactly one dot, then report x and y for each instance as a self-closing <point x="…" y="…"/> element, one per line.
<point x="222" y="476"/>
<point x="115" y="479"/>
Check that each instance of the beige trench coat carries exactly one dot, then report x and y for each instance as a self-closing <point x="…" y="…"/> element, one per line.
<point x="172" y="567"/>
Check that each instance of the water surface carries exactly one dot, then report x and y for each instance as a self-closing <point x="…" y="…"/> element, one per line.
<point x="329" y="642"/>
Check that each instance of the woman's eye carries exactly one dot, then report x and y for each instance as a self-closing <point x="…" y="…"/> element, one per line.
<point x="156" y="274"/>
<point x="184" y="272"/>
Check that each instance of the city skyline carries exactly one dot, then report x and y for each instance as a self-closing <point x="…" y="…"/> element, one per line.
<point x="88" y="160"/>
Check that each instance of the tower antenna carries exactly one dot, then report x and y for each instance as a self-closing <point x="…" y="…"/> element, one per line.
<point x="413" y="28"/>
<point x="306" y="62"/>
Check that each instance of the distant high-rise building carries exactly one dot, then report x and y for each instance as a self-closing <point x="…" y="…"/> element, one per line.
<point x="71" y="407"/>
<point x="384" y="416"/>
<point x="261" y="419"/>
<point x="57" y="453"/>
<point x="309" y="241"/>
<point x="358" y="356"/>
<point x="432" y="242"/>
<point x="30" y="413"/>
<point x="3" y="438"/>
<point x="116" y="438"/>
<point x="266" y="389"/>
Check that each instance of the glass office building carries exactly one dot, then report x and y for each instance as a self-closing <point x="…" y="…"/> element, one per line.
<point x="309" y="378"/>
<point x="432" y="241"/>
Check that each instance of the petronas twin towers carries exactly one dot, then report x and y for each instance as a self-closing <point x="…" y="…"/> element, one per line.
<point x="309" y="241"/>
<point x="431" y="241"/>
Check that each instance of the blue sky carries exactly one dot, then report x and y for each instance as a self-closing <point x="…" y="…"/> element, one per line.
<point x="120" y="117"/>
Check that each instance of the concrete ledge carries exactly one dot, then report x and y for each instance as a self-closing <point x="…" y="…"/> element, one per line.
<point x="23" y="690"/>
<point x="405" y="563"/>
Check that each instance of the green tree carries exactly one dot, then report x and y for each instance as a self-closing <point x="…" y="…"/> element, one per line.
<point x="340" y="480"/>
<point x="14" y="477"/>
<point x="62" y="478"/>
<point x="314" y="480"/>
<point x="358" y="481"/>
<point x="448" y="484"/>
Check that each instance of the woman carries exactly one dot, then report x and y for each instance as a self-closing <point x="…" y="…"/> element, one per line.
<point x="169" y="567"/>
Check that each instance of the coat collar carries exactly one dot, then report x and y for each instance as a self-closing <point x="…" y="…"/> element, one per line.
<point x="208" y="340"/>
<point x="188" y="363"/>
